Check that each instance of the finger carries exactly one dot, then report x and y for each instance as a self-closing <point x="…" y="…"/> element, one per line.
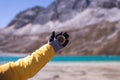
<point x="65" y="34"/>
<point x="66" y="42"/>
<point x="52" y="36"/>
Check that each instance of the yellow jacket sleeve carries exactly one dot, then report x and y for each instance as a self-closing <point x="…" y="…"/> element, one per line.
<point x="27" y="67"/>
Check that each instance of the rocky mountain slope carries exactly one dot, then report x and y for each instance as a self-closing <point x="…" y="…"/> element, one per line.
<point x="93" y="25"/>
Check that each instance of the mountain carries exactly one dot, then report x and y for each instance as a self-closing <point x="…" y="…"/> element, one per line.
<point x="93" y="26"/>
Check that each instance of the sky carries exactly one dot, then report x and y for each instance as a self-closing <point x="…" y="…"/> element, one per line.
<point x="10" y="8"/>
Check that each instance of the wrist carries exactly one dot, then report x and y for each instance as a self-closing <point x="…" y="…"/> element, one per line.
<point x="56" y="45"/>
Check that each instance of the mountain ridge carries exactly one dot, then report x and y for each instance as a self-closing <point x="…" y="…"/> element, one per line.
<point x="93" y="26"/>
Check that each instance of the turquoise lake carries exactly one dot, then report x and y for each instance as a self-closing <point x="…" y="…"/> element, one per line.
<point x="69" y="58"/>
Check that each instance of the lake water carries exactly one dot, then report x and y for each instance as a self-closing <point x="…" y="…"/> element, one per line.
<point x="4" y="59"/>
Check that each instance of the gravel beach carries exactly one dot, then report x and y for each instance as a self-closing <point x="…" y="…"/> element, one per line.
<point x="79" y="71"/>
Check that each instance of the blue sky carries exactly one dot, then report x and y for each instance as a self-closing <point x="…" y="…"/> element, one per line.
<point x="9" y="8"/>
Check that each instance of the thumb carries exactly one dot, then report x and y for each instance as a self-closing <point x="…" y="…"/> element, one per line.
<point x="52" y="36"/>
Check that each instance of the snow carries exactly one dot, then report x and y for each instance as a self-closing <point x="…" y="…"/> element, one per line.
<point x="89" y="16"/>
<point x="30" y="13"/>
<point x="112" y="35"/>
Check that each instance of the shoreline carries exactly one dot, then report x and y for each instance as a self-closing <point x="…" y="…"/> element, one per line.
<point x="84" y="63"/>
<point x="9" y="54"/>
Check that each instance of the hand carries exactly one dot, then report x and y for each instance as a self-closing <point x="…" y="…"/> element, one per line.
<point x="56" y="43"/>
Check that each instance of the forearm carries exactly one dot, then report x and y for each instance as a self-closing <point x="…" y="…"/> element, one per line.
<point x="29" y="66"/>
<point x="32" y="64"/>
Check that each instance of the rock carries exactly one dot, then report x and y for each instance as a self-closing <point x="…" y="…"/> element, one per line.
<point x="25" y="17"/>
<point x="118" y="4"/>
<point x="108" y="4"/>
